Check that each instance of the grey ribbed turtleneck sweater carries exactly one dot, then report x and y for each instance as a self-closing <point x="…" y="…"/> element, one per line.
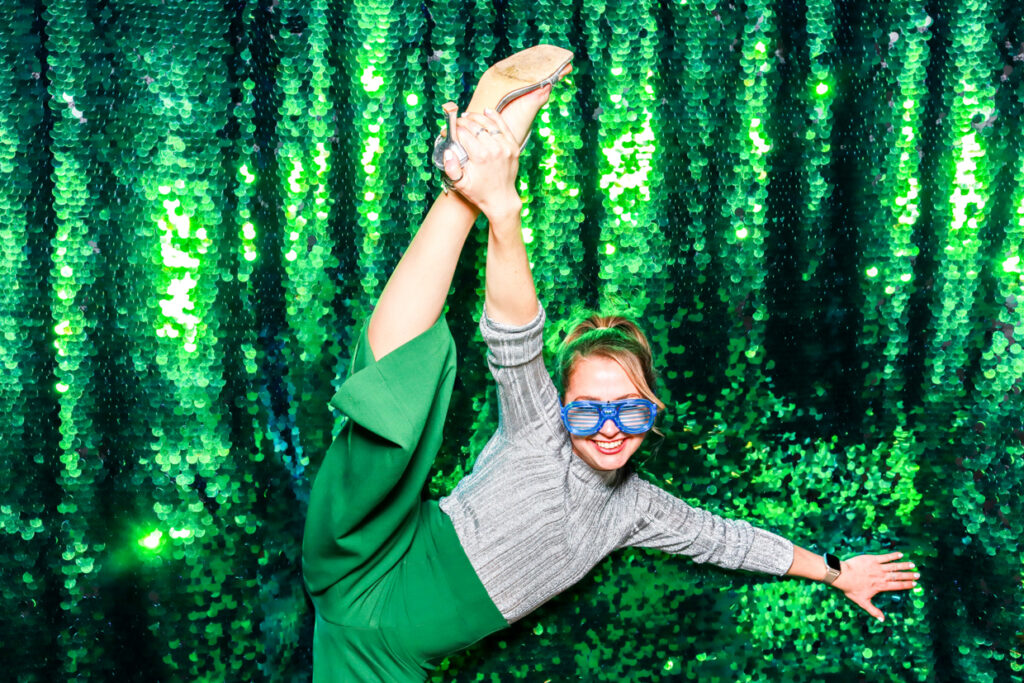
<point x="534" y="518"/>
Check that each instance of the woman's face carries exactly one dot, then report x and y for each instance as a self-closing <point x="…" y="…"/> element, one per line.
<point x="599" y="378"/>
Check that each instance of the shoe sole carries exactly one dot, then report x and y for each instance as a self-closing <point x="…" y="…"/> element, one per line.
<point x="518" y="75"/>
<point x="506" y="81"/>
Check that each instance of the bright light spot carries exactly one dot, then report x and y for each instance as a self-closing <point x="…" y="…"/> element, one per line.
<point x="616" y="98"/>
<point x="616" y="71"/>
<point x="66" y="271"/>
<point x="370" y="81"/>
<point x="152" y="540"/>
<point x="609" y="249"/>
<point x="742" y="233"/>
<point x="821" y="89"/>
<point x="905" y="277"/>
<point x="180" y="533"/>
<point x="372" y="215"/>
<point x="63" y="327"/>
<point x="248" y="231"/>
<point x="1012" y="265"/>
<point x="872" y="272"/>
<point x="760" y="47"/>
<point x="61" y="387"/>
<point x="412" y="100"/>
<point x="291" y="255"/>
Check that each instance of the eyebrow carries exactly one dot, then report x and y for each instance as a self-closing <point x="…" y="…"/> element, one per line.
<point x="592" y="398"/>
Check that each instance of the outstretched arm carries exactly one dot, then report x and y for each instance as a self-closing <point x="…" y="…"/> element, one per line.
<point x="511" y="298"/>
<point x="861" y="577"/>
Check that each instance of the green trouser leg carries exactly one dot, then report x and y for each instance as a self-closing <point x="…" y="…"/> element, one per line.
<point x="391" y="585"/>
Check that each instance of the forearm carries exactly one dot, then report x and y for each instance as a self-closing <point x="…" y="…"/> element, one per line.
<point x="511" y="297"/>
<point x="807" y="565"/>
<point x="415" y="294"/>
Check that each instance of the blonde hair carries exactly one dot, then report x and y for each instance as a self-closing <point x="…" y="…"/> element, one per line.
<point x="615" y="337"/>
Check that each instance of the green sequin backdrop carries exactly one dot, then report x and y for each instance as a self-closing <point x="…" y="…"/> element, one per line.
<point x="816" y="209"/>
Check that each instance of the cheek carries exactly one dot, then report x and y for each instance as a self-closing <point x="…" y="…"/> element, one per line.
<point x="635" y="441"/>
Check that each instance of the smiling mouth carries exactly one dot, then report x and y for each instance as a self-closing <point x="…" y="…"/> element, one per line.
<point x="609" y="446"/>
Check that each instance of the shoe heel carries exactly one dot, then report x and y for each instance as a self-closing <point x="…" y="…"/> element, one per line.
<point x="450" y="141"/>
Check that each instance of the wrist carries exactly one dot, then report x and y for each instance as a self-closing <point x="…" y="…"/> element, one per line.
<point x="505" y="212"/>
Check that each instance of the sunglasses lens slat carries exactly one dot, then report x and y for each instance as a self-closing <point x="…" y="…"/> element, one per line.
<point x="582" y="419"/>
<point x="634" y="417"/>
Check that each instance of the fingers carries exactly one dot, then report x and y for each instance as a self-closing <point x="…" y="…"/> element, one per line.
<point x="890" y="557"/>
<point x="491" y="131"/>
<point x="499" y="122"/>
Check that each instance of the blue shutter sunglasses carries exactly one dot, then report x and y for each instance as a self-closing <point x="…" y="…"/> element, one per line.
<point x="630" y="415"/>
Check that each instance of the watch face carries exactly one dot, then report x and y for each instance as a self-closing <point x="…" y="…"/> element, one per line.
<point x="832" y="561"/>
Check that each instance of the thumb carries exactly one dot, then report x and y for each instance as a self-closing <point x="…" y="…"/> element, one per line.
<point x="865" y="604"/>
<point x="451" y="165"/>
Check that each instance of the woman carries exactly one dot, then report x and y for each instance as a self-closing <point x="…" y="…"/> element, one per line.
<point x="399" y="582"/>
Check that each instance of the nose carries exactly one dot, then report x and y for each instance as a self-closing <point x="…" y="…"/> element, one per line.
<point x="608" y="428"/>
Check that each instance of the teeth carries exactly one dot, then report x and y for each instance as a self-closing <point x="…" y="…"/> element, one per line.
<point x="609" y="445"/>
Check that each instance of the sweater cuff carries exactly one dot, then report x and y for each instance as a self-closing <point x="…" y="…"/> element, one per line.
<point x="769" y="553"/>
<point x="511" y="345"/>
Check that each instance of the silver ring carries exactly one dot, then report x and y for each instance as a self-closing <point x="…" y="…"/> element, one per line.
<point x="494" y="132"/>
<point x="478" y="131"/>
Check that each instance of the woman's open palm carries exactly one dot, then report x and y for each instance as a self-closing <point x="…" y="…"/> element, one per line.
<point x="865" y="576"/>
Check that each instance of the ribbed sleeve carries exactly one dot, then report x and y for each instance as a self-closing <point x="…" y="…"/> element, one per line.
<point x="528" y="403"/>
<point x="669" y="524"/>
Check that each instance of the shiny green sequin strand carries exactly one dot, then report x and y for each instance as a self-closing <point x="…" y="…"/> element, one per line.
<point x="969" y="96"/>
<point x="743" y="211"/>
<point x="29" y="530"/>
<point x="890" y="252"/>
<point x="966" y="176"/>
<point x="178" y="97"/>
<point x="305" y="127"/>
<point x="627" y="135"/>
<point x="989" y="454"/>
<point x="381" y="233"/>
<point x="691" y="124"/>
<point x="819" y="96"/>
<point x="73" y="275"/>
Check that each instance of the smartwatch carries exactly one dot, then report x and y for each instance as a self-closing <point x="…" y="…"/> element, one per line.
<point x="832" y="568"/>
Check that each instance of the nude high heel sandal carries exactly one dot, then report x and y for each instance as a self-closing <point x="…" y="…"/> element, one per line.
<point x="503" y="82"/>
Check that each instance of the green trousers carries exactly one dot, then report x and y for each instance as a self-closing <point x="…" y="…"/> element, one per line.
<point x="392" y="587"/>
